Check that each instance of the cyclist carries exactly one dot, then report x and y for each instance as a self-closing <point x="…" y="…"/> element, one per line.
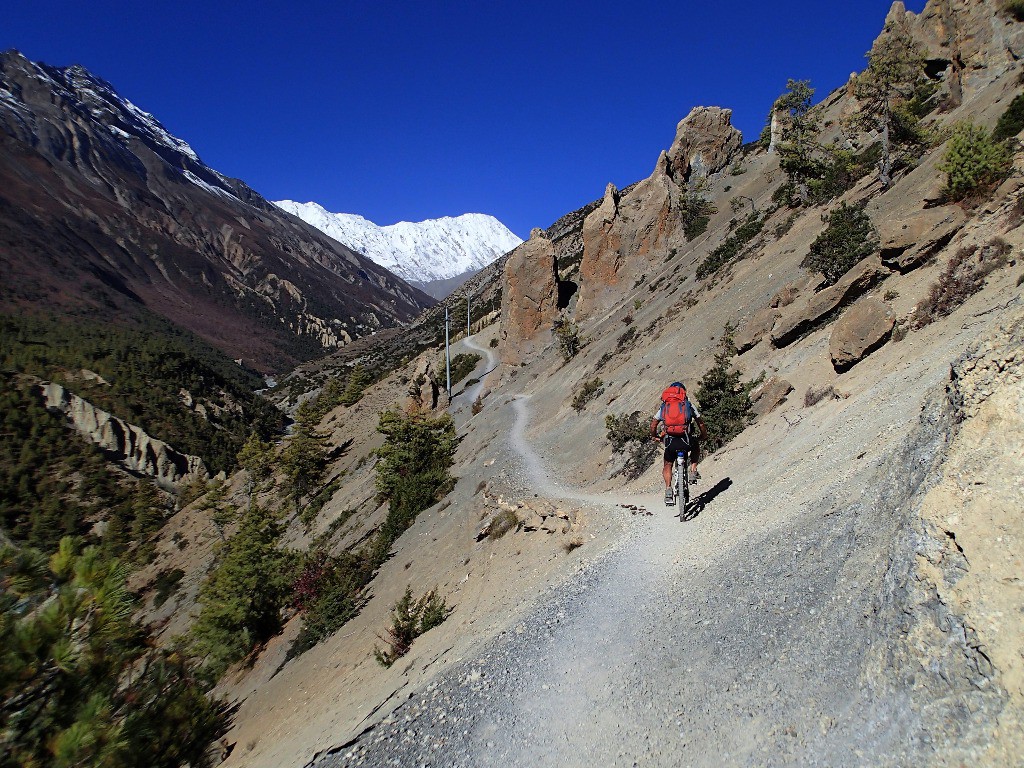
<point x="680" y="426"/>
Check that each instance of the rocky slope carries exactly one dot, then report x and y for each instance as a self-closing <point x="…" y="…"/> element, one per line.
<point x="103" y="210"/>
<point x="844" y="590"/>
<point x="445" y="251"/>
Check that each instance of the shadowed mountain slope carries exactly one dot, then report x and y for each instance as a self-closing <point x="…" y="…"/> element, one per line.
<point x="102" y="210"/>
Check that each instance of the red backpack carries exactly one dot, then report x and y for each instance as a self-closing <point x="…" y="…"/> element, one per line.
<point x="675" y="410"/>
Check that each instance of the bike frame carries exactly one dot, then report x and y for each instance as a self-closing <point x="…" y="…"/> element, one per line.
<point x="680" y="480"/>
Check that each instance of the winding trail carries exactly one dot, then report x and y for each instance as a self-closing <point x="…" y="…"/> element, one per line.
<point x="473" y="392"/>
<point x="747" y="635"/>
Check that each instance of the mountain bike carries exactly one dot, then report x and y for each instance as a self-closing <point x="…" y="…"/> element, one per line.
<point x="681" y="482"/>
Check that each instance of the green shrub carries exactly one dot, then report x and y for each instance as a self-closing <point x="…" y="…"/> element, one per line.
<point x="166" y="584"/>
<point x="1011" y="122"/>
<point x="587" y="392"/>
<point x="974" y="161"/>
<point x="463" y="365"/>
<point x="696" y="211"/>
<point x="493" y="343"/>
<point x="568" y="335"/>
<point x="630" y="434"/>
<point x="724" y="400"/>
<point x="410" y="619"/>
<point x="848" y="238"/>
<point x="732" y="247"/>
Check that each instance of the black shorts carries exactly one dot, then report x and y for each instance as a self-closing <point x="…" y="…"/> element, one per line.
<point x="674" y="445"/>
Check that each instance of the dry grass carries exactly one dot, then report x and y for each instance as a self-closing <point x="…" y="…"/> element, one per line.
<point x="503" y="522"/>
<point x="963" y="276"/>
<point x="574" y="543"/>
<point x="814" y="396"/>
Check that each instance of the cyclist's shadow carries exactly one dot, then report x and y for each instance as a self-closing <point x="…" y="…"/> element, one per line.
<point x="697" y="505"/>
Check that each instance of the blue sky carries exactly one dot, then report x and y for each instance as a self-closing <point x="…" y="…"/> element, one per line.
<point x="405" y="111"/>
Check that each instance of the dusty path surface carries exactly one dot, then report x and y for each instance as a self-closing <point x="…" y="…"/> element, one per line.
<point x="738" y="637"/>
<point x="490" y="363"/>
<point x="771" y="627"/>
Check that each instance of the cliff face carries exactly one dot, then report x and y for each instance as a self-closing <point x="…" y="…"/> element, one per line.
<point x="101" y="208"/>
<point x="127" y="444"/>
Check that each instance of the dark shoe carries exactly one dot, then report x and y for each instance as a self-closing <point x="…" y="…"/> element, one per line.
<point x="694" y="476"/>
<point x="670" y="498"/>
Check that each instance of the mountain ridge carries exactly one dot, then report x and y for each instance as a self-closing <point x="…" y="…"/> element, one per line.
<point x="105" y="211"/>
<point x="424" y="251"/>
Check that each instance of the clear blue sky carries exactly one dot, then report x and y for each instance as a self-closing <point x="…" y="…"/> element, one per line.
<point x="404" y="111"/>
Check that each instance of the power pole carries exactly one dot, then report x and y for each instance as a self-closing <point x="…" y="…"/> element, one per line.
<point x="447" y="357"/>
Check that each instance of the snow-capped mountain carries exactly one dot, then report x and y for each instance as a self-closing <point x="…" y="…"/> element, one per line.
<point x="421" y="252"/>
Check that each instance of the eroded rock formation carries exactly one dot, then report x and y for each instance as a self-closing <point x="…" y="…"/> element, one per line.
<point x="705" y="143"/>
<point x="529" y="299"/>
<point x="622" y="232"/>
<point x="133" y="447"/>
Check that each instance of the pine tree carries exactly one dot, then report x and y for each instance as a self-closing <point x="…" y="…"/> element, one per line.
<point x="798" y="147"/>
<point x="724" y="399"/>
<point x="895" y="66"/>
<point x="304" y="460"/>
<point x="418" y="451"/>
<point x="80" y="683"/>
<point x="256" y="458"/>
<point x="241" y="600"/>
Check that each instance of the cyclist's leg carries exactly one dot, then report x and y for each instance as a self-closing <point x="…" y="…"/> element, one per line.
<point x="670" y="459"/>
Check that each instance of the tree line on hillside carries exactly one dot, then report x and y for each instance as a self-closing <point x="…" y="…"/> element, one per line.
<point x="151" y="374"/>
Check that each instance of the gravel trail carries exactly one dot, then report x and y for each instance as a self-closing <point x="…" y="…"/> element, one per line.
<point x="750" y="634"/>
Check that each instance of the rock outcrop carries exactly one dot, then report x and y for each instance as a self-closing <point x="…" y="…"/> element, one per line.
<point x="769" y="395"/>
<point x="620" y="234"/>
<point x="804" y="317"/>
<point x="859" y="332"/>
<point x="129" y="444"/>
<point x="705" y="143"/>
<point x="907" y="243"/>
<point x="529" y="299"/>
<point x="967" y="44"/>
<point x="753" y="330"/>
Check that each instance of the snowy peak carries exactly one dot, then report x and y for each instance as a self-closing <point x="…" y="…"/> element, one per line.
<point x="436" y="249"/>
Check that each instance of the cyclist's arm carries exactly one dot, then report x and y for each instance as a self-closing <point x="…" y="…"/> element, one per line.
<point x="656" y="424"/>
<point x="700" y="421"/>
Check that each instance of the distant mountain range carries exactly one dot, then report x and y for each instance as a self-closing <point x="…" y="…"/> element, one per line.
<point x="103" y="211"/>
<point x="437" y="254"/>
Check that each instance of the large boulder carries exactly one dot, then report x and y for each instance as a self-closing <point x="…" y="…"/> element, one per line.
<point x="907" y="242"/>
<point x="705" y="143"/>
<point x="620" y="235"/>
<point x="769" y="395"/>
<point x="754" y="329"/>
<point x="860" y="331"/>
<point x="529" y="299"/>
<point x="804" y="317"/>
